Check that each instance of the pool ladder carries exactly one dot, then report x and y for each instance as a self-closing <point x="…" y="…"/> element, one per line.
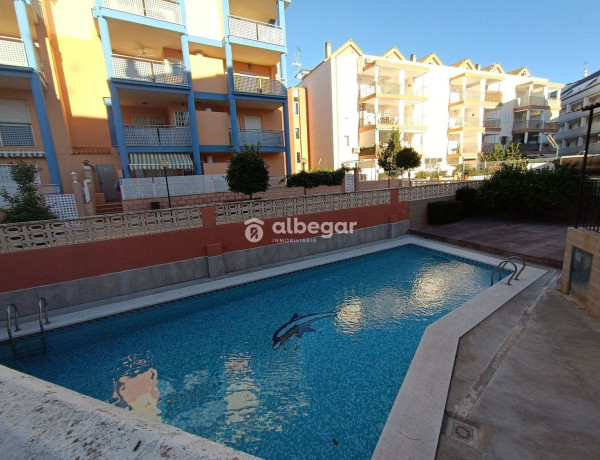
<point x="42" y="311"/>
<point x="516" y="272"/>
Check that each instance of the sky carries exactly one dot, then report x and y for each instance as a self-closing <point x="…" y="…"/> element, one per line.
<point x="552" y="38"/>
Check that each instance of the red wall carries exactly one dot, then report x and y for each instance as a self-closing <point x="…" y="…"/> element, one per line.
<point x="40" y="267"/>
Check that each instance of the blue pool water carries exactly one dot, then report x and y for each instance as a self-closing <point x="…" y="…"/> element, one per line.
<point x="322" y="387"/>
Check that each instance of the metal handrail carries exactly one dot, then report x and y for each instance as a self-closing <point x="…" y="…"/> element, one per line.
<point x="12" y="307"/>
<point x="499" y="267"/>
<point x="43" y="305"/>
<point x="519" y="259"/>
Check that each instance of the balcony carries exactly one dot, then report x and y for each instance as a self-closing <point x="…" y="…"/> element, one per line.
<point x="393" y="89"/>
<point x="577" y="132"/>
<point x="12" y="52"/>
<point x="16" y="135"/>
<point x="136" y="135"/>
<point x="254" y="30"/>
<point x="535" y="125"/>
<point x="469" y="149"/>
<point x="492" y="124"/>
<point x="264" y="138"/>
<point x="537" y="101"/>
<point x="371" y="119"/>
<point x="258" y="85"/>
<point x="466" y="122"/>
<point x="147" y="70"/>
<point x="163" y="10"/>
<point x="487" y="97"/>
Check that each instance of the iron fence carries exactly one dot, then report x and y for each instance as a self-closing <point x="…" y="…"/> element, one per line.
<point x="588" y="215"/>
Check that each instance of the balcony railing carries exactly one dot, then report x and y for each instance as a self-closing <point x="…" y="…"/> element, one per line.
<point x="163" y="10"/>
<point x="466" y="122"/>
<point x="254" y="30"/>
<point x="157" y="135"/>
<point x="16" y="135"/>
<point x="491" y="123"/>
<point x="395" y="89"/>
<point x="264" y="138"/>
<point x="537" y="101"/>
<point x="12" y="52"/>
<point x="469" y="148"/>
<point x="535" y="125"/>
<point x="492" y="97"/>
<point x="140" y="69"/>
<point x="370" y="119"/>
<point x="258" y="85"/>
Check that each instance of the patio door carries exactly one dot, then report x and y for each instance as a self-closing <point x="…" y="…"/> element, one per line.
<point x="253" y="127"/>
<point x="106" y="181"/>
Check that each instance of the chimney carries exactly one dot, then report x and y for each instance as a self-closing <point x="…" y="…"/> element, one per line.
<point x="477" y="66"/>
<point x="413" y="57"/>
<point x="327" y="49"/>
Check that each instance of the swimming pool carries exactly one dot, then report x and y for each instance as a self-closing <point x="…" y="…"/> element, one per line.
<point x="236" y="367"/>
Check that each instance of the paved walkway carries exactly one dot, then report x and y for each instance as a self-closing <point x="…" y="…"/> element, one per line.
<point x="526" y="382"/>
<point x="536" y="242"/>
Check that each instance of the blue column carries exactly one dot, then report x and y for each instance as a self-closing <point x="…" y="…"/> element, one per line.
<point x="185" y="50"/>
<point x="235" y="141"/>
<point x="119" y="131"/>
<point x="281" y="23"/>
<point x="106" y="45"/>
<point x="286" y="138"/>
<point x="45" y="130"/>
<point x="25" y="32"/>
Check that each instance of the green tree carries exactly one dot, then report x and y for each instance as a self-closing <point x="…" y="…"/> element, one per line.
<point x="408" y="158"/>
<point x="510" y="152"/>
<point x="26" y="204"/>
<point x="247" y="172"/>
<point x="386" y="158"/>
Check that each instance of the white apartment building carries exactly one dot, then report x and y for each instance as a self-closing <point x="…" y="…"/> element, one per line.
<point x="450" y="114"/>
<point x="573" y="122"/>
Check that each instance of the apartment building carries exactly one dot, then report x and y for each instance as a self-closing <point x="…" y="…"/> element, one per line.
<point x="573" y="121"/>
<point x="449" y="113"/>
<point x="136" y="87"/>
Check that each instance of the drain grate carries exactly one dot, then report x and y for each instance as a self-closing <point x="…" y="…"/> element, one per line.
<point x="462" y="431"/>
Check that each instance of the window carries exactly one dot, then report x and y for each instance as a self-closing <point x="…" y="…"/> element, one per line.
<point x="15" y="125"/>
<point x="347" y="140"/>
<point x="297" y="133"/>
<point x="296" y="107"/>
<point x="298" y="157"/>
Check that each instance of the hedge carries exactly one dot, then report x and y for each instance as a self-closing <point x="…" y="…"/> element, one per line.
<point x="444" y="212"/>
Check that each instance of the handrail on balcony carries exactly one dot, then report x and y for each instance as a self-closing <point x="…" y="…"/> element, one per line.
<point x="255" y="30"/>
<point x="157" y="135"/>
<point x="149" y="70"/>
<point x="12" y="51"/>
<point x="163" y="10"/>
<point x="257" y="84"/>
<point x="266" y="138"/>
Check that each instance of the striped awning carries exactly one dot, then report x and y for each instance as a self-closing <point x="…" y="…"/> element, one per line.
<point x="153" y="160"/>
<point x="22" y="154"/>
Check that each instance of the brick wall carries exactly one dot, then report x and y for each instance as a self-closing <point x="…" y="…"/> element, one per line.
<point x="207" y="198"/>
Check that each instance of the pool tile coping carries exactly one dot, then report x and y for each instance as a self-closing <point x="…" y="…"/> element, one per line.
<point x="414" y="423"/>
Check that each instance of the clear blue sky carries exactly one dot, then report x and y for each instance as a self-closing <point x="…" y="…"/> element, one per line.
<point x="552" y="38"/>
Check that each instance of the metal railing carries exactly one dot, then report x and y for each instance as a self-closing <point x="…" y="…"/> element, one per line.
<point x="255" y="30"/>
<point x="369" y="119"/>
<point x="157" y="135"/>
<point x="539" y="125"/>
<point x="464" y="122"/>
<point x="264" y="138"/>
<point x="475" y="96"/>
<point x="588" y="215"/>
<point x="16" y="134"/>
<point x="140" y="69"/>
<point x="258" y="85"/>
<point x="491" y="123"/>
<point x="395" y="89"/>
<point x="12" y="52"/>
<point x="470" y="148"/>
<point x="163" y="10"/>
<point x="536" y="101"/>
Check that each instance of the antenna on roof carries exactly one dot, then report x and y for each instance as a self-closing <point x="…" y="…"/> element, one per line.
<point x="585" y="69"/>
<point x="297" y="62"/>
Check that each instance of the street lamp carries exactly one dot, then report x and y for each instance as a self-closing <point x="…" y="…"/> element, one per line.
<point x="165" y="164"/>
